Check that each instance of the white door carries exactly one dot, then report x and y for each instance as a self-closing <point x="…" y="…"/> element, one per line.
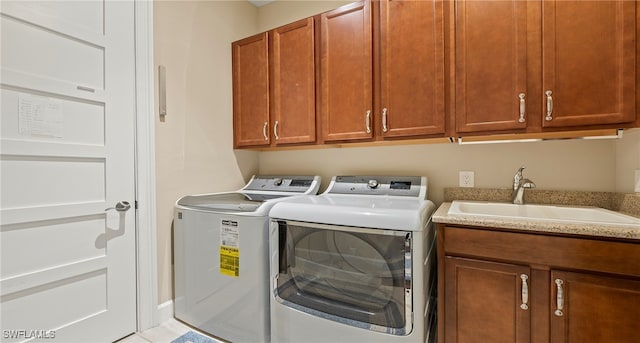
<point x="67" y="267"/>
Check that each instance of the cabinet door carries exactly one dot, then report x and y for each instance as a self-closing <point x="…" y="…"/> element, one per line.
<point x="293" y="88"/>
<point x="483" y="302"/>
<point x="346" y="72"/>
<point x="412" y="68"/>
<point x="589" y="56"/>
<point x="595" y="309"/>
<point x="251" y="91"/>
<point x="490" y="65"/>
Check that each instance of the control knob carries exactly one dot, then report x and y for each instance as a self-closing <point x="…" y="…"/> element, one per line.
<point x="277" y="182"/>
<point x="373" y="184"/>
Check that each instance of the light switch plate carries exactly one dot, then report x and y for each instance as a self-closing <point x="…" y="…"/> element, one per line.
<point x="637" y="180"/>
<point x="466" y="178"/>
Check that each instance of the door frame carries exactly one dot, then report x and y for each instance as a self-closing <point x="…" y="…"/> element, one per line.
<point x="145" y="170"/>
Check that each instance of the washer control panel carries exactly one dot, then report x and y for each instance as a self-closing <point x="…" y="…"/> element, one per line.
<point x="409" y="186"/>
<point x="281" y="183"/>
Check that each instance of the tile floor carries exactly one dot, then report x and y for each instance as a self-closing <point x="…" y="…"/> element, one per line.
<point x="164" y="333"/>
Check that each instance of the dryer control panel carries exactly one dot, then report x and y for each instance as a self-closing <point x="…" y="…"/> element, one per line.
<point x="283" y="183"/>
<point x="408" y="186"/>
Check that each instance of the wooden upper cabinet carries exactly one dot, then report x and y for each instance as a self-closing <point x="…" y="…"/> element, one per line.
<point x="251" y="91"/>
<point x="412" y="68"/>
<point x="589" y="54"/>
<point x="346" y="73"/>
<point x="490" y="65"/>
<point x="293" y="106"/>
<point x="483" y="302"/>
<point x="274" y="87"/>
<point x="595" y="309"/>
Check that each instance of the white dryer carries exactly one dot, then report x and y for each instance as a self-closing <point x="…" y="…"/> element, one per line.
<point x="355" y="264"/>
<point x="221" y="268"/>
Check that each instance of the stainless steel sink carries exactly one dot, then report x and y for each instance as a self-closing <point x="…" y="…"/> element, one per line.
<point x="565" y="214"/>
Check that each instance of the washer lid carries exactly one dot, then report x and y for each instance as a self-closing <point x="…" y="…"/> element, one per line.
<point x="235" y="201"/>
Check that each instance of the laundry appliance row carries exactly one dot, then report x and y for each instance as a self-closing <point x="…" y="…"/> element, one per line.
<point x="354" y="264"/>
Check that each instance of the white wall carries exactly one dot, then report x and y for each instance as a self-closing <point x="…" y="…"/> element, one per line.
<point x="560" y="165"/>
<point x="279" y="13"/>
<point x="194" y="145"/>
<point x="627" y="160"/>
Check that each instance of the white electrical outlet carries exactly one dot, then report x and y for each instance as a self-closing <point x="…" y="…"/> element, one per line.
<point x="466" y="178"/>
<point x="637" y="180"/>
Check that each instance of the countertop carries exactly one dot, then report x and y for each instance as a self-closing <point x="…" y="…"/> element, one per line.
<point x="628" y="202"/>
<point x="441" y="216"/>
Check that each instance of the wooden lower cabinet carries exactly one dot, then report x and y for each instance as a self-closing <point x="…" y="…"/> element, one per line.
<point x="499" y="286"/>
<point x="594" y="308"/>
<point x="483" y="301"/>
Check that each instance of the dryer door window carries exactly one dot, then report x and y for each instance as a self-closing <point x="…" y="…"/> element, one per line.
<point x="360" y="277"/>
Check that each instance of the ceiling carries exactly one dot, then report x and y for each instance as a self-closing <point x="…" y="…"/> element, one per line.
<point x="259" y="3"/>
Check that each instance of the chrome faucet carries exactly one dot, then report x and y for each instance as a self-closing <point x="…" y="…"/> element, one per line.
<point x="519" y="185"/>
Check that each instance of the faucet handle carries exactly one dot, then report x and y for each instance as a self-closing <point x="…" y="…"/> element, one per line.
<point x="517" y="178"/>
<point x="526" y="183"/>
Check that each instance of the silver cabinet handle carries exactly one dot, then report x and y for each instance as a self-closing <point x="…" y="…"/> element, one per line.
<point x="275" y="130"/>
<point x="559" y="299"/>
<point x="525" y="292"/>
<point x="121" y="206"/>
<point x="385" y="128"/>
<point x="549" y="106"/>
<point x="367" y="121"/>
<point x="264" y="131"/>
<point x="523" y="108"/>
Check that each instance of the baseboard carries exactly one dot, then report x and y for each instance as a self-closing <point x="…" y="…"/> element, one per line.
<point x="165" y="311"/>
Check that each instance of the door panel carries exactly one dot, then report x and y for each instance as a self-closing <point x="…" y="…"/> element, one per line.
<point x="88" y="115"/>
<point x="589" y="56"/>
<point x="595" y="309"/>
<point x="251" y="91"/>
<point x="68" y="265"/>
<point x="87" y="292"/>
<point x="84" y="230"/>
<point x="66" y="180"/>
<point x="51" y="54"/>
<point x="412" y="68"/>
<point x="490" y="64"/>
<point x="294" y="91"/>
<point x="346" y="72"/>
<point x="482" y="302"/>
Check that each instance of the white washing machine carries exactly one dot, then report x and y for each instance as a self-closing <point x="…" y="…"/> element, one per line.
<point x="355" y="264"/>
<point x="221" y="268"/>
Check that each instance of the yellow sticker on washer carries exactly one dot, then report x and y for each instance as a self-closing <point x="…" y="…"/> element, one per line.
<point x="229" y="261"/>
<point x="229" y="248"/>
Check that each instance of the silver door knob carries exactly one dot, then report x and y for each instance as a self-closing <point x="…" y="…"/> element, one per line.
<point x="121" y="206"/>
